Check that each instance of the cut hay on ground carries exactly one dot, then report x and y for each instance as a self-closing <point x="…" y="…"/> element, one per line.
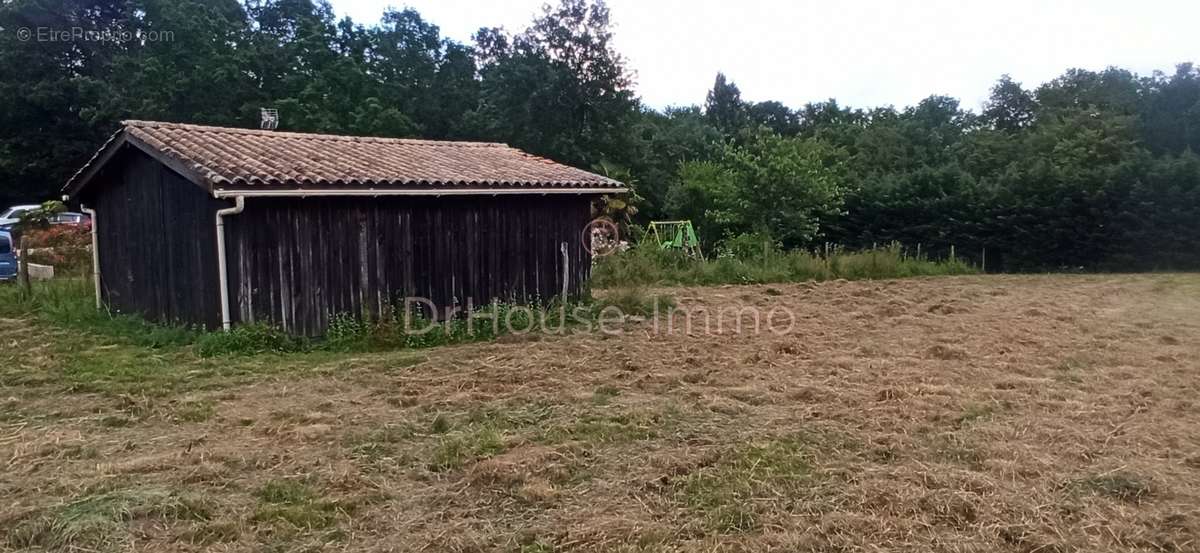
<point x="1047" y="413"/>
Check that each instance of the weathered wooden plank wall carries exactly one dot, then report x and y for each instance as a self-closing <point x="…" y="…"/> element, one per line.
<point x="297" y="262"/>
<point x="157" y="242"/>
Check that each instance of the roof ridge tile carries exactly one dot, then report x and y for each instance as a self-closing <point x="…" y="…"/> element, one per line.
<point x="307" y="135"/>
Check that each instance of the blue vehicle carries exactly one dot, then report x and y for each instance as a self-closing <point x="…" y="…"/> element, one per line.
<point x="8" y="261"/>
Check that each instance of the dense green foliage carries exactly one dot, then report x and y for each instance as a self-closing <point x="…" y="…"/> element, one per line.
<point x="1092" y="169"/>
<point x="756" y="259"/>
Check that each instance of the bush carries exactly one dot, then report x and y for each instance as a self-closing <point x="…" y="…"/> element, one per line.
<point x="748" y="247"/>
<point x="756" y="259"/>
<point x="247" y="339"/>
<point x="58" y="236"/>
<point x="65" y="247"/>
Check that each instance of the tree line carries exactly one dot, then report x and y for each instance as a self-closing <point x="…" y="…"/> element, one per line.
<point x="1094" y="169"/>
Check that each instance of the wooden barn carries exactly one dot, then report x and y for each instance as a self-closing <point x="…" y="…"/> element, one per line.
<point x="217" y="226"/>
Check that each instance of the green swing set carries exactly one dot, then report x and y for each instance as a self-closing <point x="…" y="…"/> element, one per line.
<point x="680" y="235"/>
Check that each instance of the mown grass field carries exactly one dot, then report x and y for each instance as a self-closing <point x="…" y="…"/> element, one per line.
<point x="968" y="413"/>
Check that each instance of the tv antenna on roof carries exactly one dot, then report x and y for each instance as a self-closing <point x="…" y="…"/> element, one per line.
<point x="270" y="119"/>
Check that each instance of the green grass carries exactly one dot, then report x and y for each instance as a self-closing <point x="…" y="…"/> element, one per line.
<point x="441" y="442"/>
<point x="604" y="428"/>
<point x="97" y="359"/>
<point x="604" y="394"/>
<point x="286" y="491"/>
<point x="630" y="299"/>
<point x="297" y="504"/>
<point x="412" y="330"/>
<point x="89" y="363"/>
<point x="376" y="439"/>
<point x="117" y="421"/>
<point x="479" y="434"/>
<point x="58" y="338"/>
<point x="212" y="533"/>
<point x="101" y="521"/>
<point x="457" y="449"/>
<point x="70" y="304"/>
<point x="646" y="265"/>
<point x="537" y="546"/>
<point x="1120" y="485"/>
<point x="195" y="411"/>
<point x="249" y="339"/>
<point x="733" y="494"/>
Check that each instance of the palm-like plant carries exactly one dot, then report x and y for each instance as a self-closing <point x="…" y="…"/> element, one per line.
<point x="619" y="208"/>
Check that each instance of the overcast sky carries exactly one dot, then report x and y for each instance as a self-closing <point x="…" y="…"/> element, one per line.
<point x="862" y="53"/>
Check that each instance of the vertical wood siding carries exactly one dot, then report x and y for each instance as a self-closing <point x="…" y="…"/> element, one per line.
<point x="297" y="262"/>
<point x="156" y="242"/>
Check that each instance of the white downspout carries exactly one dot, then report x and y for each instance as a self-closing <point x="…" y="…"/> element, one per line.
<point x="95" y="252"/>
<point x="566" y="268"/>
<point x="222" y="270"/>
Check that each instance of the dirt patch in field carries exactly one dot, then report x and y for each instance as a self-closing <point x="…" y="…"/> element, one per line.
<point x="947" y="414"/>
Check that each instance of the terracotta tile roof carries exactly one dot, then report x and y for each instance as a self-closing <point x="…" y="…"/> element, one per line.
<point x="228" y="158"/>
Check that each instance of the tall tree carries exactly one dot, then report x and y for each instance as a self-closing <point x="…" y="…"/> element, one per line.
<point x="55" y="93"/>
<point x="775" y="116"/>
<point x="781" y="187"/>
<point x="1114" y="90"/>
<point x="294" y="63"/>
<point x="1010" y="107"/>
<point x="662" y="141"/>
<point x="724" y="107"/>
<point x="1171" y="110"/>
<point x="559" y="88"/>
<point x="196" y="76"/>
<point x="405" y="54"/>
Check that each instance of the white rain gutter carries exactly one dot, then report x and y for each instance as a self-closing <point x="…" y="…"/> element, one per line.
<point x="95" y="252"/>
<point x="410" y="192"/>
<point x="222" y="269"/>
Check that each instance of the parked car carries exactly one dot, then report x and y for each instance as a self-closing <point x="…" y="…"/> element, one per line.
<point x="8" y="260"/>
<point x="13" y="214"/>
<point x="70" y="218"/>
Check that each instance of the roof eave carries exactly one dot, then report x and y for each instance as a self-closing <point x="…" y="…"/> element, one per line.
<point x="85" y="174"/>
<point x="105" y="154"/>
<point x="436" y="192"/>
